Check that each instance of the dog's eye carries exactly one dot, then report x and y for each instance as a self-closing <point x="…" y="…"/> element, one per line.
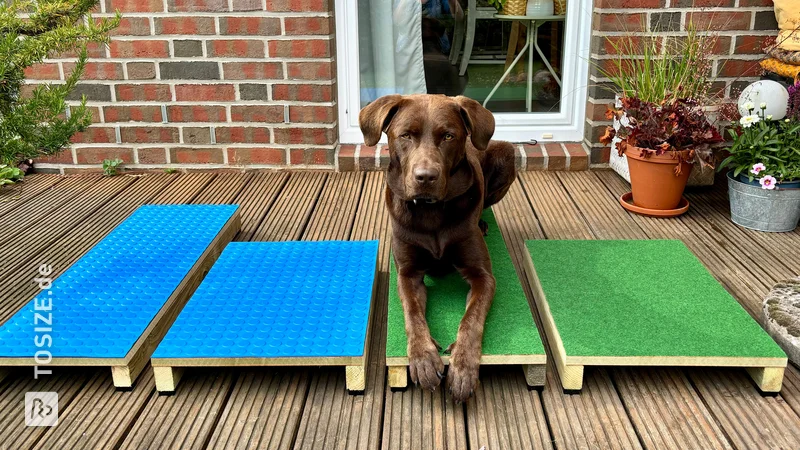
<point x="405" y="136"/>
<point x="448" y="137"/>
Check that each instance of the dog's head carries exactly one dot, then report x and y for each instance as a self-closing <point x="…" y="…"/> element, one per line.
<point x="427" y="140"/>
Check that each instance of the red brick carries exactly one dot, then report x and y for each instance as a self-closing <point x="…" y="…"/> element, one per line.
<point x="132" y="113"/>
<point x="96" y="155"/>
<point x="556" y="157"/>
<point x="143" y="93"/>
<point x="252" y="70"/>
<point x="310" y="70"/>
<point x="149" y="134"/>
<point x="130" y="6"/>
<point x="752" y="44"/>
<point x="257" y="155"/>
<point x="366" y="158"/>
<point x="197" y="5"/>
<point x="132" y="26"/>
<point x="317" y="136"/>
<point x="702" y="3"/>
<point x="307" y="26"/>
<point x="579" y="160"/>
<point x="303" y="92"/>
<point x="298" y="5"/>
<point x="94" y="111"/>
<point x="196" y="113"/>
<point x="748" y="3"/>
<point x="246" y="5"/>
<point x="534" y="158"/>
<point x="596" y="111"/>
<point x="311" y="156"/>
<point x="205" y="92"/>
<point x="310" y="114"/>
<point x="44" y="71"/>
<point x="254" y="135"/>
<point x="600" y="155"/>
<point x="139" y="49"/>
<point x="259" y="113"/>
<point x="154" y="155"/>
<point x="189" y="155"/>
<point x="93" y="50"/>
<point x="619" y="4"/>
<point x="98" y="70"/>
<point x="301" y="48"/>
<point x="614" y="45"/>
<point x="252" y="26"/>
<point x="720" y="20"/>
<point x="62" y="157"/>
<point x="620" y="22"/>
<point x="94" y="135"/>
<point x="346" y="157"/>
<point x="738" y="68"/>
<point x="238" y="48"/>
<point x="185" y="25"/>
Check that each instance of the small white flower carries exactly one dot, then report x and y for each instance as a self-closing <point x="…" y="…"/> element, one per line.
<point x="747" y="121"/>
<point x="749" y="106"/>
<point x="769" y="116"/>
<point x="763" y="105"/>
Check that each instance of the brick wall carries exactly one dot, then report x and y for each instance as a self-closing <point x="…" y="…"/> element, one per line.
<point x="208" y="82"/>
<point x="234" y="83"/>
<point x="742" y="26"/>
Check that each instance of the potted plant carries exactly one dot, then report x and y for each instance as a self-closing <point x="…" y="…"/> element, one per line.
<point x="764" y="171"/>
<point x="659" y="120"/>
<point x="40" y="123"/>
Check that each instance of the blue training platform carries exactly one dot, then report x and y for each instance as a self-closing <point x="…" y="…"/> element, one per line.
<point x="102" y="304"/>
<point x="277" y="303"/>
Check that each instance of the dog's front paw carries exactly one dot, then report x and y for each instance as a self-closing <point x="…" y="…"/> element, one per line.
<point x="424" y="363"/>
<point x="462" y="376"/>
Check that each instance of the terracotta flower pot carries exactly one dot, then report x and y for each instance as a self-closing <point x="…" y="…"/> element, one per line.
<point x="654" y="182"/>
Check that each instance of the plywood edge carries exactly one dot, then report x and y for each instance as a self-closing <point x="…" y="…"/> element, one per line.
<point x="260" y="362"/>
<point x="489" y="360"/>
<point x="65" y="362"/>
<point x="571" y="375"/>
<point x="138" y="356"/>
<point x="677" y="361"/>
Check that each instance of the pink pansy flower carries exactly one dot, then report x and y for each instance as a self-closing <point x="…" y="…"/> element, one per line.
<point x="768" y="182"/>
<point x="758" y="168"/>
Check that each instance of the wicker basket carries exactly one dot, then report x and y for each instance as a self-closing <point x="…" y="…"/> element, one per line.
<point x="559" y="7"/>
<point x="514" y="7"/>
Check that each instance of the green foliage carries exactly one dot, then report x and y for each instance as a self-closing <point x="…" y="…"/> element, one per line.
<point x="660" y="69"/>
<point x="170" y="170"/>
<point x="759" y="140"/>
<point x="39" y="123"/>
<point x="498" y="4"/>
<point x="9" y="175"/>
<point x="110" y="166"/>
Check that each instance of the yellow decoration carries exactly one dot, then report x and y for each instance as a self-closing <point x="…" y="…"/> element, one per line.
<point x="781" y="68"/>
<point x="787" y="13"/>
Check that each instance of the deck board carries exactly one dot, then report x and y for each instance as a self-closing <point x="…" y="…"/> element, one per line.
<point x="309" y="408"/>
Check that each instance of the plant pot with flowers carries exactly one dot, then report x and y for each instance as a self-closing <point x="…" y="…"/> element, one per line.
<point x="659" y="119"/>
<point x="764" y="171"/>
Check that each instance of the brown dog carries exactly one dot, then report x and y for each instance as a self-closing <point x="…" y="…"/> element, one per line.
<point x="443" y="171"/>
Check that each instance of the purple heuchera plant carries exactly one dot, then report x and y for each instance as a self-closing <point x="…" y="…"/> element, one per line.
<point x="793" y="111"/>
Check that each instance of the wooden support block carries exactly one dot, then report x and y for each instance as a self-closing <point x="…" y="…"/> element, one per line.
<point x="768" y="379"/>
<point x="398" y="377"/>
<point x="571" y="378"/>
<point x="534" y="374"/>
<point x="167" y="378"/>
<point x="355" y="379"/>
<point x="123" y="377"/>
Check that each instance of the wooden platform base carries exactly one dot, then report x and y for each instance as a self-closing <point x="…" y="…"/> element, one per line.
<point x="533" y="366"/>
<point x="124" y="371"/>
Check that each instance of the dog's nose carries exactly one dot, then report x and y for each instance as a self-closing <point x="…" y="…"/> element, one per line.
<point x="426" y="175"/>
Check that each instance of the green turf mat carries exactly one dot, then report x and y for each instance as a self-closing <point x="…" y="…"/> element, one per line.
<point x="642" y="298"/>
<point x="509" y="329"/>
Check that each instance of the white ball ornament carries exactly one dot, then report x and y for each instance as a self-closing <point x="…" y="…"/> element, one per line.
<point x="765" y="93"/>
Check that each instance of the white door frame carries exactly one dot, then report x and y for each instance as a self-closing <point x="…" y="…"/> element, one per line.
<point x="565" y="126"/>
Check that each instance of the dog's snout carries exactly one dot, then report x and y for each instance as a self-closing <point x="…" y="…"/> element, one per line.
<point x="426" y="175"/>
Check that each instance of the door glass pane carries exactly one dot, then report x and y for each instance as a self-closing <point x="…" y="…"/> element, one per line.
<point x="460" y="47"/>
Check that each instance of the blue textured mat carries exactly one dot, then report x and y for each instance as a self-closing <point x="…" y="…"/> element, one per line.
<point x="279" y="299"/>
<point x="103" y="302"/>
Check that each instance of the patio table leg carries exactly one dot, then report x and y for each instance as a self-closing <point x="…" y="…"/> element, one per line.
<point x="508" y="71"/>
<point x="539" y="50"/>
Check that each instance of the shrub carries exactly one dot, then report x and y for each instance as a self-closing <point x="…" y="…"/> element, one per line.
<point x="40" y="123"/>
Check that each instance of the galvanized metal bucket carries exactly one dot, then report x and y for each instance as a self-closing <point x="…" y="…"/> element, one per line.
<point x="761" y="209"/>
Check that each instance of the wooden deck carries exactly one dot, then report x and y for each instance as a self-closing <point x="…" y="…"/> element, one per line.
<point x="55" y="220"/>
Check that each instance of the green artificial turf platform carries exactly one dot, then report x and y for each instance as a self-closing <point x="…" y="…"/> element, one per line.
<point x="510" y="334"/>
<point x="641" y="303"/>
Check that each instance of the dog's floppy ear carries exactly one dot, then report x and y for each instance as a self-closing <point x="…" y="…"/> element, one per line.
<point x="375" y="117"/>
<point x="479" y="121"/>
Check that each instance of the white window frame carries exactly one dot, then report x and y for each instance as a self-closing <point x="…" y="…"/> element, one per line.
<point x="564" y="126"/>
